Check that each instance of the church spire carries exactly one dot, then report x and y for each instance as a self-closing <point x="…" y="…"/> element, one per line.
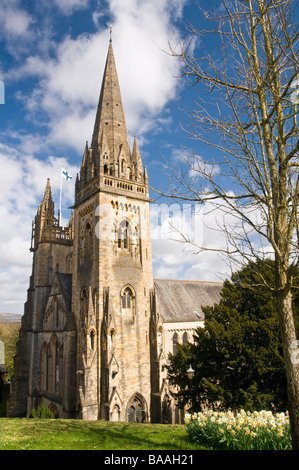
<point x="46" y="207"/>
<point x="44" y="218"/>
<point x="110" y="116"/>
<point x="109" y="155"/>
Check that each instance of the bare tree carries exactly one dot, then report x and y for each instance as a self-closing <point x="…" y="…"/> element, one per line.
<point x="246" y="113"/>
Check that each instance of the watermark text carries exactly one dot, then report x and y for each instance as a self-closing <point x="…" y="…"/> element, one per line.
<point x="2" y="92"/>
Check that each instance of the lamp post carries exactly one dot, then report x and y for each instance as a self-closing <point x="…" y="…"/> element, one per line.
<point x="190" y="373"/>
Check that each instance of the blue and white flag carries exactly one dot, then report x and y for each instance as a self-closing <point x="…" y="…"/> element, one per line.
<point x="65" y="174"/>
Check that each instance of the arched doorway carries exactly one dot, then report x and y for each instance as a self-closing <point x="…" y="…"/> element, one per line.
<point x="54" y="410"/>
<point x="166" y="410"/>
<point x="137" y="409"/>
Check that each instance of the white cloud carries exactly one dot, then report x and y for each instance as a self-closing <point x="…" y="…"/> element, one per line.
<point x="69" y="84"/>
<point x="15" y="22"/>
<point x="172" y="260"/>
<point x="14" y="284"/>
<point x="177" y="236"/>
<point x="69" y="6"/>
<point x="200" y="168"/>
<point x="22" y="185"/>
<point x="146" y="71"/>
<point x="196" y="247"/>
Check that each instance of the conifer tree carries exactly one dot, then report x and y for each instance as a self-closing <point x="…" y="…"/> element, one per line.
<point x="237" y="356"/>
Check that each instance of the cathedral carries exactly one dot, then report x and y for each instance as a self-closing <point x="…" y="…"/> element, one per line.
<point x="97" y="327"/>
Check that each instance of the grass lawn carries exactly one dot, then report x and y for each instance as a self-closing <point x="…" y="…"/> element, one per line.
<point x="56" y="434"/>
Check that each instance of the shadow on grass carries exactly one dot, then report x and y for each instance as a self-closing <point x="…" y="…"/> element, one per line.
<point x="132" y="437"/>
<point x="38" y="434"/>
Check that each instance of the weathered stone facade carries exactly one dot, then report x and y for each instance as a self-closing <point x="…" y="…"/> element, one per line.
<point x="97" y="328"/>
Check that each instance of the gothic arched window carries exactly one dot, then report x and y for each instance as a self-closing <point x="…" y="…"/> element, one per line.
<point x="166" y="410"/>
<point x="128" y="303"/>
<point x="127" y="298"/>
<point x="83" y="306"/>
<point x="136" y="413"/>
<point x="52" y="365"/>
<point x="57" y="368"/>
<point x="185" y="338"/>
<point x="124" y="235"/>
<point x="87" y="240"/>
<point x="45" y="368"/>
<point x="174" y="343"/>
<point x="92" y="340"/>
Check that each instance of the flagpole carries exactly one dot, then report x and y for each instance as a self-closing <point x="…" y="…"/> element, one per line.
<point x="59" y="219"/>
<point x="67" y="177"/>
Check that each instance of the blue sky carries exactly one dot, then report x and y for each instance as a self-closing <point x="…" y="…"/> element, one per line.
<point x="51" y="63"/>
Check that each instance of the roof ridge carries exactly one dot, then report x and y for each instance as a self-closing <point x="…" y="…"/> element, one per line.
<point x="189" y="280"/>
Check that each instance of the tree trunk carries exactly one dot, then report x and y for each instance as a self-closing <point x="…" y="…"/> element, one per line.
<point x="288" y="334"/>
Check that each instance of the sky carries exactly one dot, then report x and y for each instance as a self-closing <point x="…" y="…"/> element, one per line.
<point x="52" y="57"/>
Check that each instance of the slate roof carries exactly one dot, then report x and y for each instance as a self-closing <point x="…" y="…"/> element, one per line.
<point x="180" y="301"/>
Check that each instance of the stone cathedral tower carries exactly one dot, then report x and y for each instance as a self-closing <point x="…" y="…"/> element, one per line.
<point x="97" y="328"/>
<point x="84" y="345"/>
<point x="112" y="276"/>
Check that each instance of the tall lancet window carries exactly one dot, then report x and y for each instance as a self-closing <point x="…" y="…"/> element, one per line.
<point x="45" y="368"/>
<point x="86" y="245"/>
<point x="124" y="235"/>
<point x="88" y="240"/>
<point x="127" y="298"/>
<point x="83" y="307"/>
<point x="174" y="343"/>
<point x="128" y="303"/>
<point x="185" y="338"/>
<point x="57" y="369"/>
